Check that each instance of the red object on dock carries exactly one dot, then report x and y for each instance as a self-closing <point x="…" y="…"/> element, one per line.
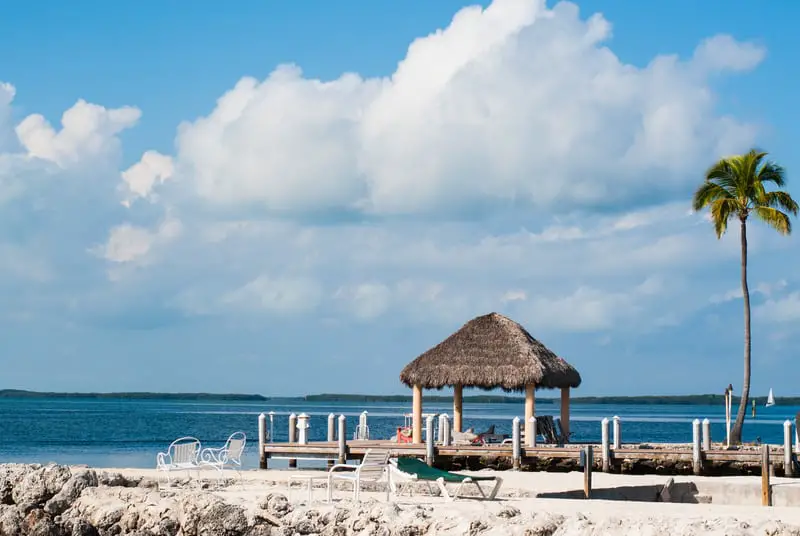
<point x="403" y="434"/>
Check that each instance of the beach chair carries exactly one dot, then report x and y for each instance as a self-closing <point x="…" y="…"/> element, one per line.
<point x="372" y="468"/>
<point x="413" y="470"/>
<point x="183" y="454"/>
<point x="229" y="456"/>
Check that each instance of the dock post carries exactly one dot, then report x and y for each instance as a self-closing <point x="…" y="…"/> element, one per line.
<point x="766" y="496"/>
<point x="588" y="462"/>
<point x="331" y="427"/>
<point x="342" y="440"/>
<point x="444" y="426"/>
<point x="429" y="443"/>
<point x="292" y="436"/>
<point x="271" y="426"/>
<point x="617" y="432"/>
<point x="516" y="443"/>
<point x="697" y="462"/>
<point x="788" y="466"/>
<point x="797" y="433"/>
<point x="262" y="441"/>
<point x="706" y="434"/>
<point x="440" y="433"/>
<point x="606" y="451"/>
<point x="331" y="433"/>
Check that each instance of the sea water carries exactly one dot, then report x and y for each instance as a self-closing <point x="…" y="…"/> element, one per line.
<point x="129" y="433"/>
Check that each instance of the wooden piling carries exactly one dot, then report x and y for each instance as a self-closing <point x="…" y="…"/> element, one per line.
<point x="429" y="443"/>
<point x="604" y="445"/>
<point x="587" y="472"/>
<point x="617" y="433"/>
<point x="697" y="460"/>
<point x="766" y="495"/>
<point x="788" y="460"/>
<point x="706" y="435"/>
<point x="331" y="433"/>
<point x="516" y="443"/>
<point x="342" y="450"/>
<point x="446" y="435"/>
<point x="262" y="441"/>
<point x="292" y="435"/>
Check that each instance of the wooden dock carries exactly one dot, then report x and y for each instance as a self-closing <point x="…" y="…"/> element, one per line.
<point x="355" y="449"/>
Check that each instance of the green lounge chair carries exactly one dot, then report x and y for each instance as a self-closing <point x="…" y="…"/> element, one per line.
<point x="414" y="470"/>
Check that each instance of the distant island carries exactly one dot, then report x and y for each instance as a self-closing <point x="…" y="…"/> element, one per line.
<point x="699" y="400"/>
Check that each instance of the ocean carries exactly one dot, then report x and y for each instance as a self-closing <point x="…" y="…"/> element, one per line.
<point x="129" y="433"/>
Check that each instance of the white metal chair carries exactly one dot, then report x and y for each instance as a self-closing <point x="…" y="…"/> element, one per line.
<point x="183" y="454"/>
<point x="372" y="468"/>
<point x="228" y="456"/>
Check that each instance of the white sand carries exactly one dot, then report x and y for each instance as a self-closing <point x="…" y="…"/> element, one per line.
<point x="742" y="495"/>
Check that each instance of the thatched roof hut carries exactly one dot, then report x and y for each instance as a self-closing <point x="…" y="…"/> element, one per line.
<point x="489" y="352"/>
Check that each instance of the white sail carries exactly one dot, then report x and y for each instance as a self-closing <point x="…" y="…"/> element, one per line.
<point x="770" y="399"/>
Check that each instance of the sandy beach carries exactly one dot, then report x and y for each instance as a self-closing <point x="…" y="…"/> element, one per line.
<point x="531" y="499"/>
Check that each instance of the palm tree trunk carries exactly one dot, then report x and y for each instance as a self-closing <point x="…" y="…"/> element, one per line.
<point x="736" y="434"/>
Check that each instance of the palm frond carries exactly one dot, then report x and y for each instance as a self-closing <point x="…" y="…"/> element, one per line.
<point x="772" y="173"/>
<point x="722" y="173"/>
<point x="722" y="210"/>
<point x="707" y="193"/>
<point x="773" y="217"/>
<point x="779" y="200"/>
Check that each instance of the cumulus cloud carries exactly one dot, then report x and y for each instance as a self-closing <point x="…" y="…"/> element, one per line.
<point x="512" y="105"/>
<point x="128" y="243"/>
<point x="512" y="125"/>
<point x="87" y="131"/>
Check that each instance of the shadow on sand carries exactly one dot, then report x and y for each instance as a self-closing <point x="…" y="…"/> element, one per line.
<point x="674" y="492"/>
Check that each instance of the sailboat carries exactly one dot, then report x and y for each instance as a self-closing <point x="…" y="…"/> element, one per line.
<point x="770" y="399"/>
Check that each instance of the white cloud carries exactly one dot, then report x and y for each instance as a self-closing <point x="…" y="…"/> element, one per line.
<point x="515" y="103"/>
<point x="127" y="243"/>
<point x="785" y="309"/>
<point x="7" y="92"/>
<point x="288" y="295"/>
<point x="152" y="169"/>
<point x="88" y="131"/>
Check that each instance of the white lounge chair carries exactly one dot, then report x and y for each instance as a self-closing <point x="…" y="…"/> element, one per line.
<point x="182" y="455"/>
<point x="229" y="456"/>
<point x="373" y="468"/>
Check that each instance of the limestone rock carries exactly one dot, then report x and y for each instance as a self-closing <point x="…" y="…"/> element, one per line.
<point x="71" y="490"/>
<point x="37" y="486"/>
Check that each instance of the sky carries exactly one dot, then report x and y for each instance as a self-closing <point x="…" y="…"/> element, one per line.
<point x="301" y="197"/>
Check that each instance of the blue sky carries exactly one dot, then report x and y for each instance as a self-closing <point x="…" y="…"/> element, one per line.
<point x="286" y="198"/>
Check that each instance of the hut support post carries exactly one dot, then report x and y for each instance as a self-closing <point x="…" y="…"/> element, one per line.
<point x="416" y="424"/>
<point x="530" y="412"/>
<point x="458" y="405"/>
<point x="565" y="412"/>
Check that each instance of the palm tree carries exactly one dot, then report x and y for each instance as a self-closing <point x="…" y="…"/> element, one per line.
<point x="735" y="187"/>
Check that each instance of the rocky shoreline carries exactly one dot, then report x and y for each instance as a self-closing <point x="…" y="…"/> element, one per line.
<point x="56" y="500"/>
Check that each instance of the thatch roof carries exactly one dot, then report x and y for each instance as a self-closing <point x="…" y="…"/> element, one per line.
<point x="490" y="351"/>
